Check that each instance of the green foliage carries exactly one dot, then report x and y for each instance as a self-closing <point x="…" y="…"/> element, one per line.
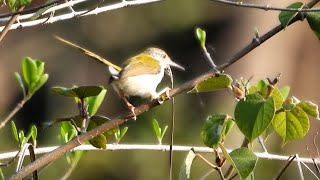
<point x="21" y="138"/>
<point x="33" y="75"/>
<point x="201" y="35"/>
<point x="314" y="21"/>
<point x="254" y="115"/>
<point x="94" y="102"/>
<point x="285" y="17"/>
<point x="158" y="131"/>
<point x="285" y="92"/>
<point x="220" y="81"/>
<point x="309" y="108"/>
<point x="185" y="169"/>
<point x="215" y="129"/>
<point x="15" y="4"/>
<point x="243" y="160"/>
<point x="291" y="124"/>
<point x="119" y="134"/>
<point x="79" y="92"/>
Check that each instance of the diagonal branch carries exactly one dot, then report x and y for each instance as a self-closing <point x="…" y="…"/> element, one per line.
<point x="264" y="7"/>
<point x="55" y="154"/>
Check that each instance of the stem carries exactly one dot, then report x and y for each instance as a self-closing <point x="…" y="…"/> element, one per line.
<point x="14" y="111"/>
<point x="212" y="166"/>
<point x="290" y="159"/>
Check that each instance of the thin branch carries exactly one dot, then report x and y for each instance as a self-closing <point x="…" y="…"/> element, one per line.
<point x="156" y="147"/>
<point x="55" y="154"/>
<point x="314" y="174"/>
<point x="299" y="167"/>
<point x="264" y="7"/>
<point x="9" y="24"/>
<point x="211" y="165"/>
<point x="289" y="161"/>
<point x="30" y="10"/>
<point x="98" y="10"/>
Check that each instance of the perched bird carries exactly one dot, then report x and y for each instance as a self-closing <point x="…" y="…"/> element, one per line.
<point x="141" y="75"/>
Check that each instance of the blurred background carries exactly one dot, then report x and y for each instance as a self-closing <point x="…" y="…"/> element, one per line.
<point x="170" y="25"/>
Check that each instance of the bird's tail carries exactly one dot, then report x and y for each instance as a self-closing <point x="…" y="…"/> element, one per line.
<point x="89" y="53"/>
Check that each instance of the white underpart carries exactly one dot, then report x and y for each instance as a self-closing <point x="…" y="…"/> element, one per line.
<point x="143" y="85"/>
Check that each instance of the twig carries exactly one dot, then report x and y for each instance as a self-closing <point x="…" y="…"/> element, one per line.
<point x="299" y="167"/>
<point x="30" y="10"/>
<point x="156" y="147"/>
<point x="211" y="165"/>
<point x="310" y="170"/>
<point x="264" y="7"/>
<point x="55" y="154"/>
<point x="290" y="159"/>
<point x="13" y="112"/>
<point x="32" y="158"/>
<point x="9" y="24"/>
<point x="74" y="14"/>
<point x="262" y="144"/>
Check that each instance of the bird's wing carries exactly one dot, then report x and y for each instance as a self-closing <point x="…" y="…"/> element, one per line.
<point x="135" y="66"/>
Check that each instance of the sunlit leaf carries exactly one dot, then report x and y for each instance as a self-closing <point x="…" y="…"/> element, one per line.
<point x="310" y="108"/>
<point x="201" y="35"/>
<point x="286" y="17"/>
<point x="94" y="102"/>
<point x="254" y="115"/>
<point x="185" y="170"/>
<point x="14" y="131"/>
<point x="276" y="94"/>
<point x="29" y="69"/>
<point x="220" y="81"/>
<point x="291" y="124"/>
<point x="18" y="77"/>
<point x="37" y="85"/>
<point x="156" y="128"/>
<point x="14" y="4"/>
<point x="285" y="91"/>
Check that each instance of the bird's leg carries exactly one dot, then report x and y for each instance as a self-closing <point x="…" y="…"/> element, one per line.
<point x="164" y="95"/>
<point x="129" y="105"/>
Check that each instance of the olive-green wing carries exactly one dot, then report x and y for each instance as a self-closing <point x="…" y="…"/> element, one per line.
<point x="140" y="64"/>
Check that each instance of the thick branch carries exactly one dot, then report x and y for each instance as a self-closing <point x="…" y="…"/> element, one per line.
<point x="264" y="7"/>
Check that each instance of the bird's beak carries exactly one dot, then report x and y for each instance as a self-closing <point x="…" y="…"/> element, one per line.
<point x="173" y="64"/>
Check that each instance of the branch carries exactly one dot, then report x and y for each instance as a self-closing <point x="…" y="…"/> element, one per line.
<point x="55" y="154"/>
<point x="264" y="7"/>
<point x="96" y="11"/>
<point x="13" y="112"/>
<point x="157" y="147"/>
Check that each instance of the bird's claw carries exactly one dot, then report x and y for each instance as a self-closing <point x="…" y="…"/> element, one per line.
<point x="165" y="95"/>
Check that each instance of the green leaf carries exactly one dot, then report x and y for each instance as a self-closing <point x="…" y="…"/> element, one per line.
<point x="215" y="129"/>
<point x="285" y="17"/>
<point x="18" y="77"/>
<point x="314" y="21"/>
<point x="94" y="102"/>
<point x="291" y="124"/>
<point x="14" y="4"/>
<point x="254" y="115"/>
<point x="34" y="132"/>
<point x="79" y="92"/>
<point x="245" y="161"/>
<point x="156" y="128"/>
<point x="21" y="138"/>
<point x="123" y="132"/>
<point x="14" y="131"/>
<point x="185" y="170"/>
<point x="220" y="81"/>
<point x="98" y="120"/>
<point x="261" y="85"/>
<point x="285" y="92"/>
<point x="164" y="132"/>
<point x="99" y="141"/>
<point x="310" y="108"/>
<point x="37" y="85"/>
<point x="201" y="35"/>
<point x="29" y="69"/>
<point x="40" y="68"/>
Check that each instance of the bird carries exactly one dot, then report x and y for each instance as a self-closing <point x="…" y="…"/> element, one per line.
<point x="141" y="74"/>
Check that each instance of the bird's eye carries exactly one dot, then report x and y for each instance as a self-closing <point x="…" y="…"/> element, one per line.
<point x="164" y="56"/>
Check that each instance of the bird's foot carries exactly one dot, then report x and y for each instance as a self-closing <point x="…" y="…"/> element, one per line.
<point x="164" y="95"/>
<point x="131" y="108"/>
